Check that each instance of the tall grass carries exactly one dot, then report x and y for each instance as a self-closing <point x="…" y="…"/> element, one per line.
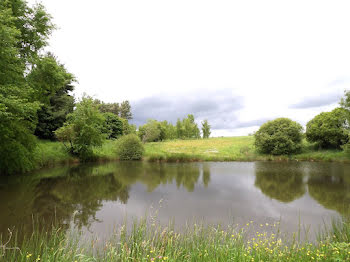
<point x="153" y="242"/>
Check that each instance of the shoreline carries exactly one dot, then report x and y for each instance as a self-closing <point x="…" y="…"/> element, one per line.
<point x="232" y="149"/>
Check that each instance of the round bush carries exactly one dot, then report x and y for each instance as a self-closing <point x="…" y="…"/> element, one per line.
<point x="329" y="129"/>
<point x="130" y="147"/>
<point x="281" y="136"/>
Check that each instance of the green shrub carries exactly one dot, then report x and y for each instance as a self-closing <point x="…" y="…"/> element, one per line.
<point x="130" y="147"/>
<point x="329" y="129"/>
<point x="83" y="130"/>
<point x="281" y="136"/>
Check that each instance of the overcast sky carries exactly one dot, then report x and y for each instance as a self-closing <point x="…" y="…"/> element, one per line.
<point x="236" y="63"/>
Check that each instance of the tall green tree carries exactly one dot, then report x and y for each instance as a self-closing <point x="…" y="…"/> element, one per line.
<point x="125" y="110"/>
<point x="206" y="129"/>
<point x="167" y="131"/>
<point x="17" y="111"/>
<point x="150" y="132"/>
<point x="34" y="25"/>
<point x="191" y="130"/>
<point x="114" y="125"/>
<point x="52" y="85"/>
<point x="179" y="129"/>
<point x="108" y="107"/>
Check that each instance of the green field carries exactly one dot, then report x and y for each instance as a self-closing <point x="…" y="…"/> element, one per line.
<point x="212" y="149"/>
<point x="231" y="149"/>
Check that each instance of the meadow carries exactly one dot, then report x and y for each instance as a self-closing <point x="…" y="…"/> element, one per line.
<point x="212" y="149"/>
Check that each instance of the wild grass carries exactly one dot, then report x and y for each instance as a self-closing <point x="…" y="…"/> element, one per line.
<point x="50" y="153"/>
<point x="153" y="242"/>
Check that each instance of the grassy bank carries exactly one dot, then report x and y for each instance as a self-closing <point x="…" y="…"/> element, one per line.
<point x="49" y="154"/>
<point x="212" y="149"/>
<point x="231" y="149"/>
<point x="150" y="242"/>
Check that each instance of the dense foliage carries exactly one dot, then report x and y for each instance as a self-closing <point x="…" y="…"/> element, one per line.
<point x="52" y="84"/>
<point x="114" y="125"/>
<point x="151" y="131"/>
<point x="84" y="129"/>
<point x="130" y="147"/>
<point x="329" y="129"/>
<point x="187" y="128"/>
<point x="122" y="110"/>
<point x="281" y="136"/>
<point x="23" y="33"/>
<point x="125" y="110"/>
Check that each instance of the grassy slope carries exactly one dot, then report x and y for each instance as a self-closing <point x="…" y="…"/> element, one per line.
<point x="212" y="149"/>
<point x="231" y="149"/>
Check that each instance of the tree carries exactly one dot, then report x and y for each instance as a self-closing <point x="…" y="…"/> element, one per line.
<point x="84" y="129"/>
<point x="127" y="128"/>
<point x="114" y="125"/>
<point x="34" y="26"/>
<point x="51" y="84"/>
<point x="279" y="137"/>
<point x="150" y="132"/>
<point x="190" y="128"/>
<point x="108" y="107"/>
<point x="167" y="131"/>
<point x="329" y="129"/>
<point x="179" y="129"/>
<point x="205" y="129"/>
<point x="125" y="110"/>
<point x="17" y="111"/>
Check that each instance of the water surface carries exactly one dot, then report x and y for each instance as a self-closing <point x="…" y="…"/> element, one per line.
<point x="96" y="198"/>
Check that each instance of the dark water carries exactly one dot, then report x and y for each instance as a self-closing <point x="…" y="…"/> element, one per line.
<point x="95" y="198"/>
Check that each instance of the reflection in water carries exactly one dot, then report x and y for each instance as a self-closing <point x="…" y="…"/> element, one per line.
<point x="327" y="183"/>
<point x="79" y="191"/>
<point x="206" y="174"/>
<point x="280" y="181"/>
<point x="330" y="186"/>
<point x="95" y="196"/>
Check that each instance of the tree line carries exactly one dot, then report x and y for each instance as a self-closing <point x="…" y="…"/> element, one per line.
<point x="327" y="130"/>
<point x="35" y="90"/>
<point x="36" y="98"/>
<point x="186" y="128"/>
<point x="36" y="102"/>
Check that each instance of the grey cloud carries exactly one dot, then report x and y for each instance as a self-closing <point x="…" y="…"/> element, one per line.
<point x="256" y="122"/>
<point x="219" y="107"/>
<point x="318" y="101"/>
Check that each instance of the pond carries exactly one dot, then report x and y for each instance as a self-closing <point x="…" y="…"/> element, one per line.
<point x="298" y="196"/>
